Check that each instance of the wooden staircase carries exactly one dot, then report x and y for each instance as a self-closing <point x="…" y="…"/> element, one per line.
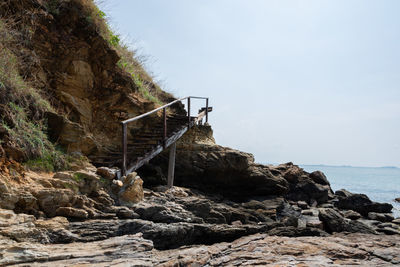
<point x="147" y="142"/>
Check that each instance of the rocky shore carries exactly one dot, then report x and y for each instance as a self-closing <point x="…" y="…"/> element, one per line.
<point x="258" y="249"/>
<point x="225" y="209"/>
<point x="254" y="214"/>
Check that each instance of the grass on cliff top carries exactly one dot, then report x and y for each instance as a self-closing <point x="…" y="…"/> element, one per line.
<point x="129" y="61"/>
<point x="22" y="109"/>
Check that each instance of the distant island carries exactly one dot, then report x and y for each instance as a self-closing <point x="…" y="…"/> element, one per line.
<point x="347" y="166"/>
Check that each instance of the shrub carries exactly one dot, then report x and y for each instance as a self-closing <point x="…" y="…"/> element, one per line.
<point x="22" y="109"/>
<point x="53" y="160"/>
<point x="114" y="39"/>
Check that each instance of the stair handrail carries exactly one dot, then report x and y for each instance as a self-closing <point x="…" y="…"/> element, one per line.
<point x="164" y="107"/>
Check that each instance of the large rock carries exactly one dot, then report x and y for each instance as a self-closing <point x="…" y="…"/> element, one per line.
<point x="107" y="173"/>
<point x="334" y="222"/>
<point x="351" y="214"/>
<point x="50" y="199"/>
<point x="304" y="186"/>
<point x="227" y="171"/>
<point x="360" y="203"/>
<point x="319" y="178"/>
<point x="202" y="164"/>
<point x="132" y="190"/>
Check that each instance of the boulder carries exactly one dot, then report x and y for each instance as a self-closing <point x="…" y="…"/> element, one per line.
<point x="213" y="168"/>
<point x="50" y="199"/>
<point x="132" y="190"/>
<point x="288" y="215"/>
<point x="360" y="203"/>
<point x="319" y="178"/>
<point x="26" y="203"/>
<point x="203" y="165"/>
<point x="397" y="199"/>
<point x="306" y="187"/>
<point x="107" y="173"/>
<point x="334" y="222"/>
<point x="89" y="182"/>
<point x="314" y="222"/>
<point x="343" y="193"/>
<point x="160" y="213"/>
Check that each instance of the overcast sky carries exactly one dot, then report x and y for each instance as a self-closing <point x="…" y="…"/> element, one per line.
<point x="312" y="82"/>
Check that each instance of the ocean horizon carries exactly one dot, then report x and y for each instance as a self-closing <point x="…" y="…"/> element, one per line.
<point x="381" y="184"/>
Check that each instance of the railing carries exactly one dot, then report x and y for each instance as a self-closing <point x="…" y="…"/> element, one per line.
<point x="164" y="108"/>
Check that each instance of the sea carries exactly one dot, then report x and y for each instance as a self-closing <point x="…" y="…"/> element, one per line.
<point x="379" y="184"/>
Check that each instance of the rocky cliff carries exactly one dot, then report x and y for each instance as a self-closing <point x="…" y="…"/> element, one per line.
<point x="68" y="83"/>
<point x="74" y="62"/>
<point x="78" y="218"/>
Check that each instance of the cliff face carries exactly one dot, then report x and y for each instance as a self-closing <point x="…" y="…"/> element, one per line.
<point x="79" y="67"/>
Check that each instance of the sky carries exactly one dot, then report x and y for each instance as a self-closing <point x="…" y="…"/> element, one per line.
<point x="311" y="82"/>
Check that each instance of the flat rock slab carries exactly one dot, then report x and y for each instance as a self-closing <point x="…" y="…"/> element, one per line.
<point x="258" y="249"/>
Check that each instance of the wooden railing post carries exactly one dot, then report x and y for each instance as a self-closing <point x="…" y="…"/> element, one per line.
<point x="207" y="109"/>
<point x="171" y="165"/>
<point x="124" y="148"/>
<point x="188" y="102"/>
<point x="164" y="126"/>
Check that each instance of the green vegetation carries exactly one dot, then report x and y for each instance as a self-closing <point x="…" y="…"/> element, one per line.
<point x="22" y="111"/>
<point x="144" y="90"/>
<point x="114" y="39"/>
<point x="128" y="62"/>
<point x="78" y="177"/>
<point x="25" y="133"/>
<point x="52" y="160"/>
<point x="10" y="78"/>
